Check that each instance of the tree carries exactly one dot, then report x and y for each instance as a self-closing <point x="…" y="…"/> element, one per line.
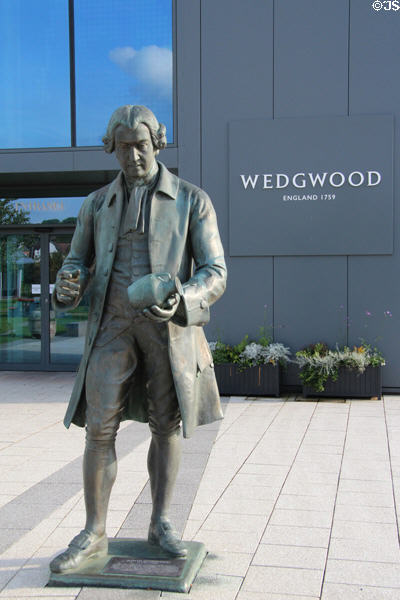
<point x="10" y="214"/>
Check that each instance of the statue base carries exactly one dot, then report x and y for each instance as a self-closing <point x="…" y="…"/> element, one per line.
<point x="132" y="563"/>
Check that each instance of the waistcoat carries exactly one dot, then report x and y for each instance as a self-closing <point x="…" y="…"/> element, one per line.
<point x="132" y="260"/>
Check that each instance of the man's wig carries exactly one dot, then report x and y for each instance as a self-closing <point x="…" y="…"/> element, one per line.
<point x="131" y="116"/>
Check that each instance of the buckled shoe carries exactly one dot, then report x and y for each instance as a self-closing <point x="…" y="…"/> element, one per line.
<point x="84" y="545"/>
<point x="161" y="534"/>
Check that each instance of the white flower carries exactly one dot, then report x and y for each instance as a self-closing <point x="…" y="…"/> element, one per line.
<point x="256" y="354"/>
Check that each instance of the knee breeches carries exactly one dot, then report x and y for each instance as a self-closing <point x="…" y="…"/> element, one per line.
<point x="115" y="359"/>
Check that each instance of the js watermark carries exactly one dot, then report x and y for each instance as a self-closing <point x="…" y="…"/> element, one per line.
<point x="386" y="5"/>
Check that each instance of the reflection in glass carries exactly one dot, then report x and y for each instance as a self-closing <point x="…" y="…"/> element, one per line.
<point x="67" y="345"/>
<point x="49" y="211"/>
<point x="20" y="311"/>
<point x="123" y="55"/>
<point x="34" y="70"/>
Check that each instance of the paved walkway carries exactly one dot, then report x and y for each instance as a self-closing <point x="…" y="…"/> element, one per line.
<point x="295" y="499"/>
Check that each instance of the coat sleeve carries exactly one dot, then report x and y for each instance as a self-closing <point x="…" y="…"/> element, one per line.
<point x="81" y="254"/>
<point x="208" y="281"/>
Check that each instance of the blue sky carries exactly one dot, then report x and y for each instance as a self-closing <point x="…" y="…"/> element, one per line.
<point x="123" y="52"/>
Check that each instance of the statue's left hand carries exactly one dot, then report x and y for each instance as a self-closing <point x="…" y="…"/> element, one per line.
<point x="164" y="313"/>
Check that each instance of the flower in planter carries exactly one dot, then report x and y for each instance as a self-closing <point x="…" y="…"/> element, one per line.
<point x="318" y="362"/>
<point x="250" y="354"/>
<point x="257" y="354"/>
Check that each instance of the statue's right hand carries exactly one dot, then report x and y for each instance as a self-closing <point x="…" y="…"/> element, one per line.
<point x="68" y="285"/>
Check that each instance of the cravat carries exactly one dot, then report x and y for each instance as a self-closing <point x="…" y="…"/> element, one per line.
<point x="134" y="217"/>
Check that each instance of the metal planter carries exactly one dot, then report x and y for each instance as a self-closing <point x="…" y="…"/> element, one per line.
<point x="351" y="384"/>
<point x="253" y="381"/>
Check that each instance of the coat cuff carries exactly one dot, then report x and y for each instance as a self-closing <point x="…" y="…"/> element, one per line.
<point x="193" y="308"/>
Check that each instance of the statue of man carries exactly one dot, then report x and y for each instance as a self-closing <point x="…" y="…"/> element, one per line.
<point x="151" y="364"/>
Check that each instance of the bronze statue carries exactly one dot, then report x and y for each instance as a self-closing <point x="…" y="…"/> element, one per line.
<point x="147" y="248"/>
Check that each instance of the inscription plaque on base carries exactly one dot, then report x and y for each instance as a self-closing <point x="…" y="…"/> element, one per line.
<point x="134" y="564"/>
<point x="119" y="565"/>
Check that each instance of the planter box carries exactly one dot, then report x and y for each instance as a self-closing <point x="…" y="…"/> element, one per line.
<point x="351" y="384"/>
<point x="254" y="381"/>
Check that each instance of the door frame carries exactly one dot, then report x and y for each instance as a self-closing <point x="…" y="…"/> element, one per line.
<point x="43" y="232"/>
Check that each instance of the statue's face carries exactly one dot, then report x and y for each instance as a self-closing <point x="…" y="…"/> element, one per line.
<point x="134" y="150"/>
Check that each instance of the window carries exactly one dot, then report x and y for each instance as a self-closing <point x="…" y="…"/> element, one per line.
<point x="123" y="55"/>
<point x="34" y="71"/>
<point x="39" y="210"/>
<point x="65" y="65"/>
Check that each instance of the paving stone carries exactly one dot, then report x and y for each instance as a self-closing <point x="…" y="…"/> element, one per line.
<point x="269" y="456"/>
<point x="315" y="537"/>
<point x="337" y="591"/>
<point x="263" y="469"/>
<point x="372" y="549"/>
<point x="301" y="502"/>
<point x="209" y="587"/>
<point x="64" y="597"/>
<point x="301" y="518"/>
<point x="226" y="563"/>
<point x="367" y="531"/>
<point x="380" y="499"/>
<point x="224" y="541"/>
<point x="240" y="523"/>
<point x="117" y="594"/>
<point x="191" y="528"/>
<point x="274" y="555"/>
<point x="199" y="511"/>
<point x="365" y="472"/>
<point x="239" y="506"/>
<point x="315" y="461"/>
<point x="368" y="573"/>
<point x="259" y="492"/>
<point x="359" y="485"/>
<point x="31" y="582"/>
<point x="312" y="477"/>
<point x="308" y="489"/>
<point x="284" y="581"/>
<point x="364" y="514"/>
<point x="243" y="595"/>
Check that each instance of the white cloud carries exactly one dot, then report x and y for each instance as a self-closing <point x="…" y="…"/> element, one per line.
<point x="151" y="66"/>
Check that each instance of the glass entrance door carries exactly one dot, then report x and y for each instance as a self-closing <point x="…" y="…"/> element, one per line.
<point x="20" y="299"/>
<point x="66" y="345"/>
<point x="32" y="335"/>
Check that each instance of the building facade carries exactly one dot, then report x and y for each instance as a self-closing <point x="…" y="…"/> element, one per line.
<point x="286" y="113"/>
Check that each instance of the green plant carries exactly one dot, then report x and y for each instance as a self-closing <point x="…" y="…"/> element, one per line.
<point x="250" y="354"/>
<point x="224" y="353"/>
<point x="318" y="362"/>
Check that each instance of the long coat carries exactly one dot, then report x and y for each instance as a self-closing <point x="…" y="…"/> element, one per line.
<point x="183" y="241"/>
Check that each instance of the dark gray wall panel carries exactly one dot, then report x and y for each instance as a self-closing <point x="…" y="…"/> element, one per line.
<point x="311" y="39"/>
<point x="374" y="282"/>
<point x="374" y="309"/>
<point x="237" y="82"/>
<point x="247" y="303"/>
<point x="310" y="300"/>
<point x="237" y="55"/>
<point x="188" y="83"/>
